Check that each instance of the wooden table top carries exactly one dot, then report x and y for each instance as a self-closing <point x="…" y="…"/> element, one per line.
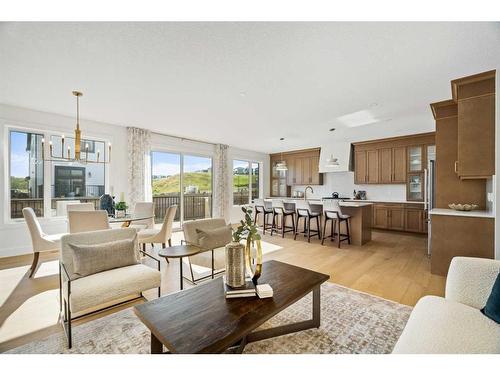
<point x="202" y="320"/>
<point x="179" y="251"/>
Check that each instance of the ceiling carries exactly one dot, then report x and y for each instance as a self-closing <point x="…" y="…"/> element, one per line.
<point x="245" y="84"/>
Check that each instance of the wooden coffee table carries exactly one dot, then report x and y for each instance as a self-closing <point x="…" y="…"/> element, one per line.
<point x="202" y="320"/>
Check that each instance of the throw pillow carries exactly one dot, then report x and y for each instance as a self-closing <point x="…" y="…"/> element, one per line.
<point x="492" y="308"/>
<point x="214" y="238"/>
<point x="91" y="259"/>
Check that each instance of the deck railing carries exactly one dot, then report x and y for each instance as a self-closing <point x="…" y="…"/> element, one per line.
<point x="196" y="206"/>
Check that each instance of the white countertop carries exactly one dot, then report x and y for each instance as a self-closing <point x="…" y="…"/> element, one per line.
<point x="450" y="212"/>
<point x="319" y="202"/>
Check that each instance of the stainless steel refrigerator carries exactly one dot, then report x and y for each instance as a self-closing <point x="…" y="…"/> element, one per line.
<point x="429" y="197"/>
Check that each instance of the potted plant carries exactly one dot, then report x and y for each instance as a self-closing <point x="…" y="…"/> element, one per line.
<point x="121" y="209"/>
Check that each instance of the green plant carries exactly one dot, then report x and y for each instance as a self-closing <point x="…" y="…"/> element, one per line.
<point x="247" y="230"/>
<point x="121" y="206"/>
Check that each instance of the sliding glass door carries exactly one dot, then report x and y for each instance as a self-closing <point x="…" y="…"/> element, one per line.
<point x="166" y="184"/>
<point x="182" y="180"/>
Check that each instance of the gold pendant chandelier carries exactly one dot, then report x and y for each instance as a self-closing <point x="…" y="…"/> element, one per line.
<point x="78" y="153"/>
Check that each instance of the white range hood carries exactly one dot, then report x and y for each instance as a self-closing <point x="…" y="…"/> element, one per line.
<point x="339" y="150"/>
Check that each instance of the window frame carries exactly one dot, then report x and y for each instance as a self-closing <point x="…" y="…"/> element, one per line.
<point x="47" y="171"/>
<point x="250" y="169"/>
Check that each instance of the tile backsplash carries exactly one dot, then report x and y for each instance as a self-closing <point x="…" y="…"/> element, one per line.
<point x="343" y="183"/>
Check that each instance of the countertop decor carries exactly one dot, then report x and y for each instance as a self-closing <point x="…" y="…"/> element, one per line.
<point x="463" y="207"/>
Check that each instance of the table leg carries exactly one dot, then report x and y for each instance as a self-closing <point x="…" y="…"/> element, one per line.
<point x="181" y="277"/>
<point x="156" y="345"/>
<point x="316" y="306"/>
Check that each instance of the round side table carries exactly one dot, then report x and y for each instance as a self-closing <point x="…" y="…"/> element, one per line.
<point x="180" y="252"/>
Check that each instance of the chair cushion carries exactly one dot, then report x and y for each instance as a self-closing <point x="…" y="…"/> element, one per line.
<point x="214" y="238"/>
<point x="108" y="286"/>
<point x="145" y="233"/>
<point x="91" y="259"/>
<point x="438" y="326"/>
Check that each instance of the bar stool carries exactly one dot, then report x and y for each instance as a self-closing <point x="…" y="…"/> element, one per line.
<point x="333" y="213"/>
<point x="264" y="208"/>
<point x="280" y="210"/>
<point x="303" y="210"/>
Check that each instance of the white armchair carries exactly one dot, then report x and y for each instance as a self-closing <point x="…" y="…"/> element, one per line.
<point x="84" y="295"/>
<point x="455" y="324"/>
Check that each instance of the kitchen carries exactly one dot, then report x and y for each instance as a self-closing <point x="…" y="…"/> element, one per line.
<point x="410" y="180"/>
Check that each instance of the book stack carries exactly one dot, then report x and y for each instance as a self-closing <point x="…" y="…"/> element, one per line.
<point x="247" y="290"/>
<point x="264" y="291"/>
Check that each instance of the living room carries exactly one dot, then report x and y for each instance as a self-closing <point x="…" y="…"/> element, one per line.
<point x="249" y="187"/>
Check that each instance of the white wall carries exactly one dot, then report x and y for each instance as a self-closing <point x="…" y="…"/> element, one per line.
<point x="343" y="183"/>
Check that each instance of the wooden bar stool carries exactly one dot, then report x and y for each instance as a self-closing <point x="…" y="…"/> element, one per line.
<point x="264" y="208"/>
<point x="281" y="211"/>
<point x="333" y="213"/>
<point x="303" y="210"/>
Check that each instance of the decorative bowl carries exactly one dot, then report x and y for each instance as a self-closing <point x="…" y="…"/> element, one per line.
<point x="462" y="207"/>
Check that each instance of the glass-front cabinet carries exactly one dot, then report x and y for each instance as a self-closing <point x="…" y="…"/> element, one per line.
<point x="279" y="181"/>
<point x="415" y="159"/>
<point x="415" y="187"/>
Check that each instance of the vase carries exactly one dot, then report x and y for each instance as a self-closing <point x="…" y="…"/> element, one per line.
<point x="235" y="264"/>
<point x="253" y="259"/>
<point x="120" y="213"/>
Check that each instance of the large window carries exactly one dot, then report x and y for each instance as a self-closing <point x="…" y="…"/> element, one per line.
<point x="190" y="190"/>
<point x="245" y="182"/>
<point x="26" y="173"/>
<point x="84" y="182"/>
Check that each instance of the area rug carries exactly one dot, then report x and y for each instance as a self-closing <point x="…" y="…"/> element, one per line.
<point x="351" y="322"/>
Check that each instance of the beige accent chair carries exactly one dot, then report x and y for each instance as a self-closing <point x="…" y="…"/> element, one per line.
<point x="80" y="207"/>
<point x="87" y="221"/>
<point x="146" y="209"/>
<point x="39" y="240"/>
<point x="213" y="259"/>
<point x="62" y="207"/>
<point x="454" y="324"/>
<point x="162" y="235"/>
<point x="85" y="295"/>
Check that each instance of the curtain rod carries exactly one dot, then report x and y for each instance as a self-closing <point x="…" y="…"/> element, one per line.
<point x="185" y="139"/>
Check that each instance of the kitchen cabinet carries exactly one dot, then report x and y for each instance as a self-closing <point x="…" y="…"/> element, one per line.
<point x="401" y="217"/>
<point x="388" y="161"/>
<point x="415" y="187"/>
<point x="360" y="171"/>
<point x="303" y="169"/>
<point x="372" y="166"/>
<point x="414" y="220"/>
<point x="399" y="165"/>
<point x="386" y="165"/>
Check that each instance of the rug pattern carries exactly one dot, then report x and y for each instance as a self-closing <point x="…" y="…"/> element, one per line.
<point x="351" y="322"/>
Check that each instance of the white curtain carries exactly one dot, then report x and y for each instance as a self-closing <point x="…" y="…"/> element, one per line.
<point x="139" y="165"/>
<point x="221" y="182"/>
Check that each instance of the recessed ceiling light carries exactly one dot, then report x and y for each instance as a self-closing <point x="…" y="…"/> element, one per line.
<point x="331" y="129"/>
<point x="373" y="105"/>
<point x="243" y="93"/>
<point x="359" y="118"/>
<point x="282" y="139"/>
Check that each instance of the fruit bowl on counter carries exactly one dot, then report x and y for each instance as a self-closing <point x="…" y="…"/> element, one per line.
<point x="463" y="207"/>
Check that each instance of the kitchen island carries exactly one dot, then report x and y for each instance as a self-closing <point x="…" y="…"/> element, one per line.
<point x="360" y="223"/>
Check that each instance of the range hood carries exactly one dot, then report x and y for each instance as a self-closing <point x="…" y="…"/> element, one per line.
<point x="339" y="150"/>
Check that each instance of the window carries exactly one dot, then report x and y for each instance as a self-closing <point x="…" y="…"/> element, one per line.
<point x="245" y="182"/>
<point x="84" y="182"/>
<point x="26" y="173"/>
<point x="190" y="190"/>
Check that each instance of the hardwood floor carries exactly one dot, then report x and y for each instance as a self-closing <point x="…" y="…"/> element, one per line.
<point x="393" y="266"/>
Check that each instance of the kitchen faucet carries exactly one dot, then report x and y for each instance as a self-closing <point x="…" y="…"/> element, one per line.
<point x="305" y="191"/>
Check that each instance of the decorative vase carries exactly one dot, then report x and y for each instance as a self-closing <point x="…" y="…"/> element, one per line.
<point x="120" y="213"/>
<point x="235" y="264"/>
<point x="253" y="259"/>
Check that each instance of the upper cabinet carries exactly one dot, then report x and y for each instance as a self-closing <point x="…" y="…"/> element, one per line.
<point x="303" y="169"/>
<point x="391" y="160"/>
<point x="475" y="97"/>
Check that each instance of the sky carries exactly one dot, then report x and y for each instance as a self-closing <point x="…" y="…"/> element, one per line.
<point x="166" y="164"/>
<point x="19" y="166"/>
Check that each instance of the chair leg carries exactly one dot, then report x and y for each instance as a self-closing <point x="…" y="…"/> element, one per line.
<point x="255" y="218"/>
<point x="265" y="223"/>
<point x="34" y="265"/>
<point x="308" y="229"/>
<point x="283" y="220"/>
<point x="296" y="228"/>
<point x="144" y="247"/>
<point x="338" y="234"/>
<point x="318" y="226"/>
<point x="324" y="231"/>
<point x="169" y="242"/>
<point x="152" y="245"/>
<point x="164" y="246"/>
<point x="348" y="234"/>
<point x="332" y="230"/>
